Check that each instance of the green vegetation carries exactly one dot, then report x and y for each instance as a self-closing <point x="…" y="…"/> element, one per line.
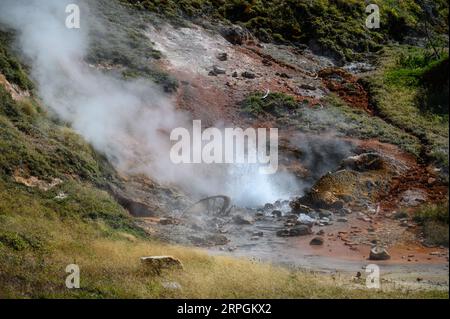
<point x="40" y="236"/>
<point x="333" y="116"/>
<point x="42" y="232"/>
<point x="276" y="104"/>
<point x="335" y="27"/>
<point x="10" y="67"/>
<point x="121" y="42"/>
<point x="35" y="146"/>
<point x="357" y="123"/>
<point x="434" y="219"/>
<point x="403" y="95"/>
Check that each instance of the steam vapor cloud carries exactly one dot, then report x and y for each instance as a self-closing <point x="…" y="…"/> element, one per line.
<point x="128" y="121"/>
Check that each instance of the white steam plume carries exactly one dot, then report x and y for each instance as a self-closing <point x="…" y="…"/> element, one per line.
<point x="129" y="121"/>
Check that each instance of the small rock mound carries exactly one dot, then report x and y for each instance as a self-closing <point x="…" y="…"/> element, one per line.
<point x="299" y="230"/>
<point x="235" y="34"/>
<point x="157" y="263"/>
<point x="242" y="220"/>
<point x="317" y="241"/>
<point x="363" y="177"/>
<point x="364" y="162"/>
<point x="379" y="253"/>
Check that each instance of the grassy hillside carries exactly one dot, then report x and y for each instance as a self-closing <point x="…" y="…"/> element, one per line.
<point x="406" y="95"/>
<point x="53" y="212"/>
<point x="10" y="66"/>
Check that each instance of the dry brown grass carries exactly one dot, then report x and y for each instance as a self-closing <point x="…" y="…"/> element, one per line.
<point x="40" y="239"/>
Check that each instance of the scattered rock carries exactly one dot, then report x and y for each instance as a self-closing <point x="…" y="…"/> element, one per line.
<point x="342" y="220"/>
<point x="216" y="71"/>
<point x="346" y="211"/>
<point x="277" y="213"/>
<point x="235" y="74"/>
<point x="317" y="241"/>
<point x="300" y="209"/>
<point x="135" y="208"/>
<point x="222" y="56"/>
<point x="308" y="87"/>
<point x="363" y="162"/>
<point x="258" y="234"/>
<point x="320" y="232"/>
<point x="346" y="198"/>
<point x="413" y="197"/>
<point x="171" y="285"/>
<point x="400" y="215"/>
<point x="435" y="253"/>
<point x="379" y="253"/>
<point x="211" y="240"/>
<point x="241" y="220"/>
<point x="158" y="263"/>
<point x="33" y="181"/>
<point x="235" y="34"/>
<point x="169" y="221"/>
<point x="358" y="67"/>
<point x="337" y="204"/>
<point x="259" y="215"/>
<point x="283" y="75"/>
<point x="266" y="62"/>
<point x="299" y="230"/>
<point x="306" y="220"/>
<point x="248" y="75"/>
<point x="325" y="213"/>
<point x="325" y="221"/>
<point x="61" y="196"/>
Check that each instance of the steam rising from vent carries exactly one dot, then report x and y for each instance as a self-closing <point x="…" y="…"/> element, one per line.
<point x="129" y="121"/>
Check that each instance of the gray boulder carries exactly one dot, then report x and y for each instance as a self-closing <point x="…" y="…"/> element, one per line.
<point x="379" y="253"/>
<point x="299" y="230"/>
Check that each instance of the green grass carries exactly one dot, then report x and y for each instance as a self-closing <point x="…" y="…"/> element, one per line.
<point x="40" y="236"/>
<point x="358" y="123"/>
<point x="31" y="143"/>
<point x="10" y="67"/>
<point x="333" y="116"/>
<point x="276" y="104"/>
<point x="434" y="219"/>
<point x="397" y="89"/>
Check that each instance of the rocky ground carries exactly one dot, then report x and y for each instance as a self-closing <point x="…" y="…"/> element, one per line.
<point x="354" y="213"/>
<point x="360" y="174"/>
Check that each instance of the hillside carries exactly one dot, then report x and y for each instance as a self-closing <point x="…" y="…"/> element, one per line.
<point x="363" y="149"/>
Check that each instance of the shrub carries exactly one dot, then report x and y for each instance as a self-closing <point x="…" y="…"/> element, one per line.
<point x="10" y="67"/>
<point x="435" y="222"/>
<point x="276" y="104"/>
